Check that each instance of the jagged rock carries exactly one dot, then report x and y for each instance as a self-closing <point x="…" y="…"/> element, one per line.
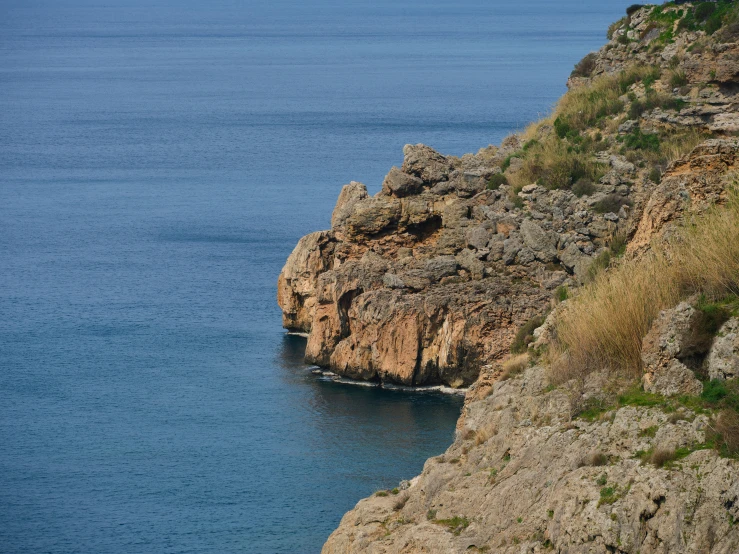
<point x="723" y="359"/>
<point x="401" y="184"/>
<point x="425" y="163"/>
<point x="441" y="266"/>
<point x="670" y="340"/>
<point x="538" y="241"/>
<point x="690" y="185"/>
<point x="468" y="260"/>
<point x="348" y="197"/>
<point x="371" y="216"/>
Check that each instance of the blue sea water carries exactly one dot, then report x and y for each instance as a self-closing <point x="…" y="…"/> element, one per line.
<point x="158" y="162"/>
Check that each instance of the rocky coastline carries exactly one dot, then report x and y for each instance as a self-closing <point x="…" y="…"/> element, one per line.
<point x="454" y="273"/>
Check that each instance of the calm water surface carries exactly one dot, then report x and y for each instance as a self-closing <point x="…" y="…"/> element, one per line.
<point x="158" y="162"/>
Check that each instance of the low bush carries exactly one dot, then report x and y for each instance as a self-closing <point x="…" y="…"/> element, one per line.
<point x="727" y="427"/>
<point x="525" y="334"/>
<point x="585" y="67"/>
<point x="496" y="180"/>
<point x="678" y="79"/>
<point x="514" y="365"/>
<point x="583" y="187"/>
<point x="637" y="140"/>
<point x="633" y="9"/>
<point x="611" y="203"/>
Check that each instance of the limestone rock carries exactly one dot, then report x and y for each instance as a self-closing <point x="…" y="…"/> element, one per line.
<point x="348" y="197"/>
<point x="723" y="359"/>
<point x="425" y="163"/>
<point x="401" y="184"/>
<point x="669" y="341"/>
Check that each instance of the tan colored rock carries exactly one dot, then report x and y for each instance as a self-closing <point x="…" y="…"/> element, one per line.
<point x="669" y="341"/>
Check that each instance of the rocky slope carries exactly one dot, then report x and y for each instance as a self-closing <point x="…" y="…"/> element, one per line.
<point x="433" y="280"/>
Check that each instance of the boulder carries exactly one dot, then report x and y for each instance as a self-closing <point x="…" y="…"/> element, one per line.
<point x="401" y="184"/>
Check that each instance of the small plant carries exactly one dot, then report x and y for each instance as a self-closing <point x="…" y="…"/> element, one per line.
<point x="496" y="180"/>
<point x="550" y="514"/>
<point x="561" y="294"/>
<point x="655" y="175"/>
<point x="401" y="501"/>
<point x="611" y="203"/>
<point x="602" y="480"/>
<point x="519" y="520"/>
<point x="678" y="79"/>
<point x="431" y="514"/>
<point x="525" y="334"/>
<point x="585" y="67"/>
<point x="727" y="427"/>
<point x="662" y="456"/>
<point x="396" y="490"/>
<point x="637" y="140"/>
<point x="608" y="495"/>
<point x="381" y="493"/>
<point x="583" y="187"/>
<point x="650" y="432"/>
<point x="514" y="365"/>
<point x="456" y="524"/>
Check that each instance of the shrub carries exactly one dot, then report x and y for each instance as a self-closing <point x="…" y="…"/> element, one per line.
<point x="525" y="334"/>
<point x="583" y="187"/>
<point x="585" y="67"/>
<point x="661" y="456"/>
<point x="496" y="180"/>
<point x="483" y="434"/>
<point x="615" y="26"/>
<point x="603" y="326"/>
<point x="703" y="10"/>
<point x="636" y="140"/>
<point x="633" y="9"/>
<point x="611" y="203"/>
<point x="678" y="79"/>
<point x="655" y="175"/>
<point x="401" y="501"/>
<point x="727" y="427"/>
<point x="514" y="365"/>
<point x="561" y="294"/>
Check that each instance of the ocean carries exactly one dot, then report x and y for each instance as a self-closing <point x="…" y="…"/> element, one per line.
<point x="158" y="162"/>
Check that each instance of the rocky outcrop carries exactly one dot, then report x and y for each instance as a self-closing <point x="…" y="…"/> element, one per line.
<point x="522" y="476"/>
<point x="421" y="282"/>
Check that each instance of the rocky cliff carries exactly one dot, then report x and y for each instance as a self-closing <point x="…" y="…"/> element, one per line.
<point x="443" y="276"/>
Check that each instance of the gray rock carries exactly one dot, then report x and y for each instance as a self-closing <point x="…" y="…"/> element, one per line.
<point x="538" y="241"/>
<point x="348" y="197"/>
<point x="511" y="248"/>
<point x="467" y="260"/>
<point x="670" y="340"/>
<point x="723" y="359"/>
<point x="478" y="237"/>
<point x="425" y="163"/>
<point x="441" y="266"/>
<point x="400" y="184"/>
<point x="392" y="281"/>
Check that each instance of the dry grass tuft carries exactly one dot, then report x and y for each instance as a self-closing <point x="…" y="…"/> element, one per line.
<point x="485" y="433"/>
<point x="603" y="326"/>
<point x="661" y="456"/>
<point x="514" y="365"/>
<point x="595" y="459"/>
<point x="727" y="426"/>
